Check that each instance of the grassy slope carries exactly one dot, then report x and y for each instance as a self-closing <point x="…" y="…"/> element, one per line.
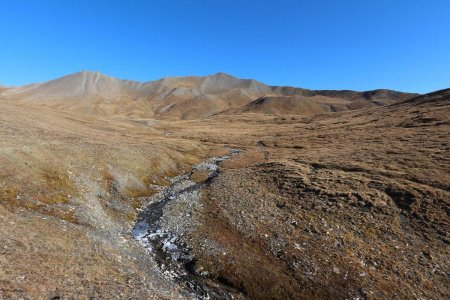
<point x="69" y="189"/>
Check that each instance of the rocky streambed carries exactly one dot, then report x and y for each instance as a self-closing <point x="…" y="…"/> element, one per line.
<point x="163" y="224"/>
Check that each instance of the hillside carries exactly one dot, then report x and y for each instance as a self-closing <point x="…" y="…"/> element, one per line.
<point x="436" y="98"/>
<point x="190" y="97"/>
<point x="70" y="189"/>
<point x="332" y="206"/>
<point x="295" y="105"/>
<point x="306" y="105"/>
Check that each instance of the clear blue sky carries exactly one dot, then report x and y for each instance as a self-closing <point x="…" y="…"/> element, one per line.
<point x="319" y="44"/>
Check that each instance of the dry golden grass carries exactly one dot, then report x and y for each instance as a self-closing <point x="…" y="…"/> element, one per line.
<point x="84" y="176"/>
<point x="199" y="176"/>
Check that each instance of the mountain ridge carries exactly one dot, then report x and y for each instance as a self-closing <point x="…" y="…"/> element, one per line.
<point x="185" y="97"/>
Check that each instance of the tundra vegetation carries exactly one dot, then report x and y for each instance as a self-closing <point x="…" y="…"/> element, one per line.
<point x="335" y="194"/>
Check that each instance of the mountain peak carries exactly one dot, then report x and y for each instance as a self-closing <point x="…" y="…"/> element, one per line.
<point x="80" y="85"/>
<point x="221" y="74"/>
<point x="89" y="74"/>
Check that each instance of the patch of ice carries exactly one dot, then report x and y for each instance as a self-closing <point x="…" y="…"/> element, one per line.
<point x="140" y="230"/>
<point x="206" y="166"/>
<point x="168" y="244"/>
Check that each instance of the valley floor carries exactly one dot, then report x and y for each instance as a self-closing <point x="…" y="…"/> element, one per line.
<point x="345" y="205"/>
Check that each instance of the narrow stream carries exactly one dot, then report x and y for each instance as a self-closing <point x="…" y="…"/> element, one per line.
<point x="161" y="233"/>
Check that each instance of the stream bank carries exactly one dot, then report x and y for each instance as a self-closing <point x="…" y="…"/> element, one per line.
<point x="163" y="224"/>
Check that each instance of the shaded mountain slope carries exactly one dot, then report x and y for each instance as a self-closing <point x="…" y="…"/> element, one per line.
<point x="437" y="97"/>
<point x="374" y="95"/>
<point x="286" y="105"/>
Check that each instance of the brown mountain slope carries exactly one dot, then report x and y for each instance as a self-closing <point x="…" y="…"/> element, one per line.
<point x="77" y="87"/>
<point x="295" y="105"/>
<point x="304" y="105"/>
<point x="440" y="97"/>
<point x="380" y="95"/>
<point x="178" y="97"/>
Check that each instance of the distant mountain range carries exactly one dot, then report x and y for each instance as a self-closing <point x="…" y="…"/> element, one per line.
<point x="190" y="97"/>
